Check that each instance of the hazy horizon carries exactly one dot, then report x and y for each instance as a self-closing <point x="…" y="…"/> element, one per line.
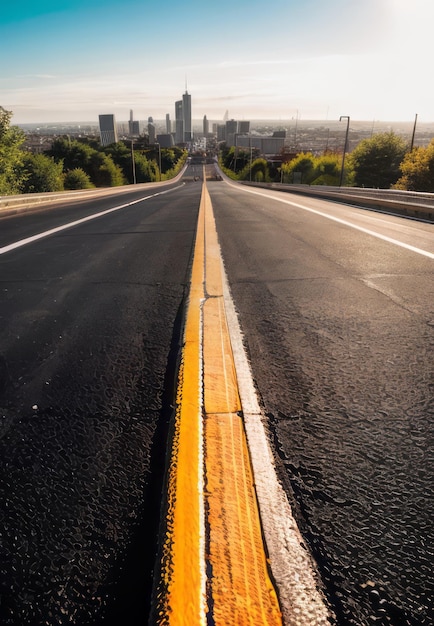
<point x="76" y="59"/>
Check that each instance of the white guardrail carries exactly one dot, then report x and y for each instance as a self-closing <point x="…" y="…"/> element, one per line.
<point x="411" y="203"/>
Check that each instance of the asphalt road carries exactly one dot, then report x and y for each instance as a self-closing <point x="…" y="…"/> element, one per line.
<point x="339" y="327"/>
<point x="89" y="330"/>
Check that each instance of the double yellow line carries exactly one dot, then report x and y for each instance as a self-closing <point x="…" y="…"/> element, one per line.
<point x="213" y="563"/>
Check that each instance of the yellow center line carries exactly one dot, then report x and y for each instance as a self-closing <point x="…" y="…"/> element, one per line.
<point x="213" y="563"/>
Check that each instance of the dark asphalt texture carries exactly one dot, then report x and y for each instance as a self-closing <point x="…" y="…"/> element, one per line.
<point x="90" y="321"/>
<point x="339" y="327"/>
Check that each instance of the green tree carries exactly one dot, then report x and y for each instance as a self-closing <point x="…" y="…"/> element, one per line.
<point x="327" y="170"/>
<point x="98" y="165"/>
<point x="11" y="155"/>
<point x="73" y="153"/>
<point x="77" y="179"/>
<point x="103" y="172"/>
<point x="41" y="174"/>
<point x="299" y="169"/>
<point x="418" y="170"/>
<point x="376" y="162"/>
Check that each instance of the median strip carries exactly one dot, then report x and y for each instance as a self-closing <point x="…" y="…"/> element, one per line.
<point x="213" y="563"/>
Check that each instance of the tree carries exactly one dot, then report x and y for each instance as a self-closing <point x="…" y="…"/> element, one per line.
<point x="41" y="174"/>
<point x="73" y="153"/>
<point x="327" y="169"/>
<point x="302" y="168"/>
<point x="376" y="162"/>
<point x="103" y="171"/>
<point x="98" y="165"/>
<point x="11" y="155"/>
<point x="418" y="170"/>
<point x="77" y="179"/>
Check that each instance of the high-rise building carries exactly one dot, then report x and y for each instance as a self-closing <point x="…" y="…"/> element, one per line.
<point x="152" y="132"/>
<point x="186" y="113"/>
<point x="244" y="127"/>
<point x="231" y="130"/>
<point x="205" y="126"/>
<point x="168" y="124"/>
<point x="133" y="126"/>
<point x="179" y="122"/>
<point x="107" y="129"/>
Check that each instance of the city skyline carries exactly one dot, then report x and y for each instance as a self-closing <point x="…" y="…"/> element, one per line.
<point x="72" y="61"/>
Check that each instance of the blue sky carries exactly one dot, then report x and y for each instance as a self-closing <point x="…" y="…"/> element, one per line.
<point x="73" y="59"/>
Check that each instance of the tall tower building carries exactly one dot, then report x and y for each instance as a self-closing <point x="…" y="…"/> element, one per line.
<point x="186" y="112"/>
<point x="168" y="124"/>
<point x="151" y="131"/>
<point x="107" y="129"/>
<point x="205" y="126"/>
<point x="179" y="122"/>
<point x="244" y="127"/>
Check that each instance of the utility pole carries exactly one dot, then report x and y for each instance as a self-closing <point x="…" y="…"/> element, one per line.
<point x="414" y="133"/>
<point x="343" y="117"/>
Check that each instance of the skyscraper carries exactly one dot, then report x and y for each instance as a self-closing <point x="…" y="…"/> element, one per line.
<point x="186" y="113"/>
<point x="179" y="123"/>
<point x="107" y="129"/>
<point x="205" y="126"/>
<point x="133" y="127"/>
<point x="151" y="131"/>
<point x="168" y="124"/>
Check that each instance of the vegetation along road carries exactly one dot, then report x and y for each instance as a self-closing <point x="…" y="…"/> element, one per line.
<point x="336" y="309"/>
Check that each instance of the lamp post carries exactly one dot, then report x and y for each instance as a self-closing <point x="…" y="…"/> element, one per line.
<point x="133" y="162"/>
<point x="414" y="133"/>
<point x="344" y="117"/>
<point x="159" y="158"/>
<point x="251" y="154"/>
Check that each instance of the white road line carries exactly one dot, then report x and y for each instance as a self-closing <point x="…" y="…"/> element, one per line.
<point x="396" y="242"/>
<point x="292" y="567"/>
<point x="58" y="229"/>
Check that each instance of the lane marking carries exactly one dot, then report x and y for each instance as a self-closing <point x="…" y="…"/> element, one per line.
<point x="180" y="590"/>
<point x="291" y="564"/>
<point x="213" y="568"/>
<point x="58" y="229"/>
<point x="367" y="231"/>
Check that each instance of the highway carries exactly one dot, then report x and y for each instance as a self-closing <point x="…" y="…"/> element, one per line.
<point x="336" y="309"/>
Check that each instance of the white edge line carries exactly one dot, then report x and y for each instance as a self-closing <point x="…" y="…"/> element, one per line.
<point x="407" y="246"/>
<point x="291" y="564"/>
<point x="58" y="229"/>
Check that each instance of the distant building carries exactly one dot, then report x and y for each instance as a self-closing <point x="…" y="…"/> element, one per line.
<point x="244" y="127"/>
<point x="186" y="114"/>
<point x="151" y="131"/>
<point x="221" y="132"/>
<point x="168" y="124"/>
<point x="107" y="129"/>
<point x="179" y="122"/>
<point x="266" y="145"/>
<point x="133" y="126"/>
<point x="231" y="131"/>
<point x="205" y="126"/>
<point x="165" y="141"/>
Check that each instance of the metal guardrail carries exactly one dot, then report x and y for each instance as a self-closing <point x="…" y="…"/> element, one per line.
<point x="410" y="203"/>
<point x="10" y="205"/>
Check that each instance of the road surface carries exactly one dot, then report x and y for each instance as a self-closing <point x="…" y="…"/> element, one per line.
<point x="338" y="322"/>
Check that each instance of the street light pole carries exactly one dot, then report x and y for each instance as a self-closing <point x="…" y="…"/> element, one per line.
<point x="133" y="162"/>
<point x="159" y="158"/>
<point x="251" y="153"/>
<point x="414" y="133"/>
<point x="344" y="117"/>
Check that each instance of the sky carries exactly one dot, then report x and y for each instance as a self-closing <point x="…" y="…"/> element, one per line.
<point x="70" y="60"/>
